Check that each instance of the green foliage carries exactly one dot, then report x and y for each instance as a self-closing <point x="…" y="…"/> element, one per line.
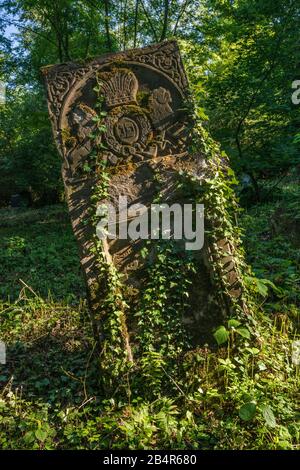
<point x="164" y="299"/>
<point x="223" y="334"/>
<point x="241" y="57"/>
<point x="223" y="235"/>
<point x="272" y="230"/>
<point x="29" y="162"/>
<point x="109" y="315"/>
<point x="42" y="254"/>
<point x="247" y="411"/>
<point x="55" y="401"/>
<point x="241" y="69"/>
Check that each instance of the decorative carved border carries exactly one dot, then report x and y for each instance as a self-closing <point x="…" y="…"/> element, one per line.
<point x="60" y="79"/>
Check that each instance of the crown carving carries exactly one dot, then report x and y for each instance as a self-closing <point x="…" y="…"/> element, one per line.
<point x="119" y="87"/>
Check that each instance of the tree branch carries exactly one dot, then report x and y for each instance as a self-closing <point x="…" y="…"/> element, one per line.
<point x="136" y="12"/>
<point x="165" y="21"/>
<point x="149" y="21"/>
<point x="181" y="13"/>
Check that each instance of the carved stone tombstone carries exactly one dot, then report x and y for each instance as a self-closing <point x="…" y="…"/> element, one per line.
<point x="145" y="147"/>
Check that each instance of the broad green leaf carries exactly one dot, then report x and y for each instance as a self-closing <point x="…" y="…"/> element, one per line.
<point x="233" y="323"/>
<point x="244" y="332"/>
<point x="252" y="350"/>
<point x="41" y="435"/>
<point x="269" y="416"/>
<point x="221" y="335"/>
<point x="29" y="437"/>
<point x="247" y="411"/>
<point x="262" y="366"/>
<point x="261" y="288"/>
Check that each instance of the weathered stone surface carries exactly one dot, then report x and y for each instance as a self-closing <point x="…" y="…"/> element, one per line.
<point x="146" y="144"/>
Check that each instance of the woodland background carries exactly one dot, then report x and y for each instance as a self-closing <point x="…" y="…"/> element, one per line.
<point x="241" y="57"/>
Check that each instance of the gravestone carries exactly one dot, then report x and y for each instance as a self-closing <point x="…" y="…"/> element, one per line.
<point x="144" y="145"/>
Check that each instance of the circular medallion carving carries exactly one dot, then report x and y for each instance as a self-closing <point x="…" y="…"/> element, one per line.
<point x="128" y="130"/>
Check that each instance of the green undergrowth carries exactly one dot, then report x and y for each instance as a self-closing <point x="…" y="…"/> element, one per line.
<point x="37" y="247"/>
<point x="272" y="242"/>
<point x="241" y="395"/>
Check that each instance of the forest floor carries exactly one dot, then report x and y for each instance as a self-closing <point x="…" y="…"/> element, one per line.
<point x="49" y="392"/>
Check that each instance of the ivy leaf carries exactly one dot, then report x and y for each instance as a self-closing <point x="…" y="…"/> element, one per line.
<point x="296" y="139"/>
<point x="233" y="323"/>
<point x="247" y="411"/>
<point x="29" y="437"/>
<point x="269" y="416"/>
<point x="87" y="168"/>
<point x="221" y="335"/>
<point x="41" y="435"/>
<point x="233" y="177"/>
<point x="252" y="351"/>
<point x="262" y="366"/>
<point x="244" y="332"/>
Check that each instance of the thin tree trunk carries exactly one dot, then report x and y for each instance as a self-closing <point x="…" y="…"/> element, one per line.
<point x="136" y="12"/>
<point x="66" y="36"/>
<point x="106" y="22"/>
<point x="125" y="26"/>
<point x="165" y="22"/>
<point x="181" y="13"/>
<point x="149" y="21"/>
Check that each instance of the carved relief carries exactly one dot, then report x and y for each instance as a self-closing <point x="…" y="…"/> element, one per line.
<point x="145" y="135"/>
<point x="62" y="79"/>
<point x="118" y="87"/>
<point x="167" y="59"/>
<point x="60" y="82"/>
<point x="128" y="130"/>
<point x="159" y="104"/>
<point x="143" y="91"/>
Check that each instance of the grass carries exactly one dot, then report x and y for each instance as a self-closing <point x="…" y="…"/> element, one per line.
<point x="38" y="247"/>
<point x="242" y="396"/>
<point x="272" y="242"/>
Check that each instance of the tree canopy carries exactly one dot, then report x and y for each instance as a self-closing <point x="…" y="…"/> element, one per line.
<point x="242" y="57"/>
